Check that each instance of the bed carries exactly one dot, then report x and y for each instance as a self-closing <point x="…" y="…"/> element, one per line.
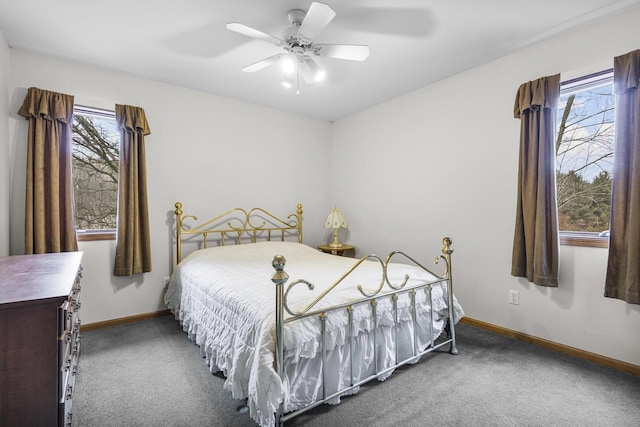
<point x="291" y="327"/>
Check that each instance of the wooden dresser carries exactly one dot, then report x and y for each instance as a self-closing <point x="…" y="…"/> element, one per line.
<point x="39" y="338"/>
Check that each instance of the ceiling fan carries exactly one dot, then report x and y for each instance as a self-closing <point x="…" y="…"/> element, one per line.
<point x="298" y="45"/>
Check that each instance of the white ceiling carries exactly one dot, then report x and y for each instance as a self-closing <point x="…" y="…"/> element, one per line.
<point x="412" y="42"/>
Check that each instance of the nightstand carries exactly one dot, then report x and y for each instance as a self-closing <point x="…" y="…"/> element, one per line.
<point x="336" y="251"/>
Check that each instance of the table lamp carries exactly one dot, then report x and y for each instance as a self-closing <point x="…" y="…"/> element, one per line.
<point x="335" y="220"/>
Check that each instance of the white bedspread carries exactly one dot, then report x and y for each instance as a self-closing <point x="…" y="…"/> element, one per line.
<point x="225" y="300"/>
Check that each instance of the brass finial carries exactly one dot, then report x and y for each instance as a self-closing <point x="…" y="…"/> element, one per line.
<point x="446" y="249"/>
<point x="299" y="208"/>
<point x="178" y="210"/>
<point x="280" y="276"/>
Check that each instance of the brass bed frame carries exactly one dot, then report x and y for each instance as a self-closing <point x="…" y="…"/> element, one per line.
<point x="241" y="224"/>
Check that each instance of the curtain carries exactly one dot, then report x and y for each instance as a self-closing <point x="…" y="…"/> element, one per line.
<point x="49" y="208"/>
<point x="133" y="247"/>
<point x="623" y="266"/>
<point x="536" y="241"/>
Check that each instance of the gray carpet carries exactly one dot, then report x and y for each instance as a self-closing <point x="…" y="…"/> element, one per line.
<point x="149" y="374"/>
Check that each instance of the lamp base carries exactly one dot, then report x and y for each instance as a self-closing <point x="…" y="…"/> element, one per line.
<point x="335" y="243"/>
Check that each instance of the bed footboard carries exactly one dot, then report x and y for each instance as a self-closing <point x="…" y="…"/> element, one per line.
<point x="391" y="292"/>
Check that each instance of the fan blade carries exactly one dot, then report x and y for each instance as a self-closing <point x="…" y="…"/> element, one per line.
<point x="257" y="66"/>
<point x="316" y="19"/>
<point x="351" y="52"/>
<point x="256" y="34"/>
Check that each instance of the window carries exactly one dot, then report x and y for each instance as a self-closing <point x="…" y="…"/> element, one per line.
<point x="584" y="159"/>
<point x="96" y="144"/>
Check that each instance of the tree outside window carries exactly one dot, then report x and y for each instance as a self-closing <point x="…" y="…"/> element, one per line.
<point x="96" y="144"/>
<point x="584" y="155"/>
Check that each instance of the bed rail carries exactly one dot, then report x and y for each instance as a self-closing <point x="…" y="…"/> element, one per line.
<point x="252" y="224"/>
<point x="394" y="291"/>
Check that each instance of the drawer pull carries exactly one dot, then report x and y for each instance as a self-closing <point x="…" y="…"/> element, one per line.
<point x="76" y="347"/>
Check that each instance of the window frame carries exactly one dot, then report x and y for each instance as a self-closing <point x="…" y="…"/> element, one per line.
<point x="91" y="235"/>
<point x="105" y="233"/>
<point x="584" y="238"/>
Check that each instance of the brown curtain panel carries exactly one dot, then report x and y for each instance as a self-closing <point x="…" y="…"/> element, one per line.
<point x="623" y="266"/>
<point x="49" y="208"/>
<point x="535" y="241"/>
<point x="133" y="247"/>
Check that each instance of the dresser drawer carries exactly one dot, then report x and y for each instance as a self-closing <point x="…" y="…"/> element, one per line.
<point x="65" y="317"/>
<point x="68" y="351"/>
<point x="65" y="415"/>
<point x="67" y="383"/>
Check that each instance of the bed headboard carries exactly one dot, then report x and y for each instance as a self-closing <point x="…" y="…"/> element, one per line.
<point x="237" y="225"/>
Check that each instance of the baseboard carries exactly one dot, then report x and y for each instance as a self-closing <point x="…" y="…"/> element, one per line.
<point x="560" y="348"/>
<point x="123" y="320"/>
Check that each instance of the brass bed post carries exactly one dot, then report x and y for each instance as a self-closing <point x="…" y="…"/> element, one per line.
<point x="299" y="216"/>
<point x="178" y="212"/>
<point x="447" y="251"/>
<point x="279" y="278"/>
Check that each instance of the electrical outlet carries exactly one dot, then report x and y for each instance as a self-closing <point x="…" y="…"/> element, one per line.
<point x="514" y="298"/>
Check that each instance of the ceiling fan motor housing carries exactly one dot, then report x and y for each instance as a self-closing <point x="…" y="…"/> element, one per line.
<point x="290" y="36"/>
<point x="296" y="16"/>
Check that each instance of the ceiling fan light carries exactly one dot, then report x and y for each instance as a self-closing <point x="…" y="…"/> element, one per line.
<point x="288" y="64"/>
<point x="287" y="82"/>
<point x="317" y="73"/>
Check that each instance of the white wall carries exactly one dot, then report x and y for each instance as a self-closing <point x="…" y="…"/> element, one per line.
<point x="438" y="161"/>
<point x="442" y="160"/>
<point x="5" y="158"/>
<point x="210" y="153"/>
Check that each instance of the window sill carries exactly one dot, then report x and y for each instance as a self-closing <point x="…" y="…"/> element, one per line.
<point x="587" y="240"/>
<point x="91" y="235"/>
